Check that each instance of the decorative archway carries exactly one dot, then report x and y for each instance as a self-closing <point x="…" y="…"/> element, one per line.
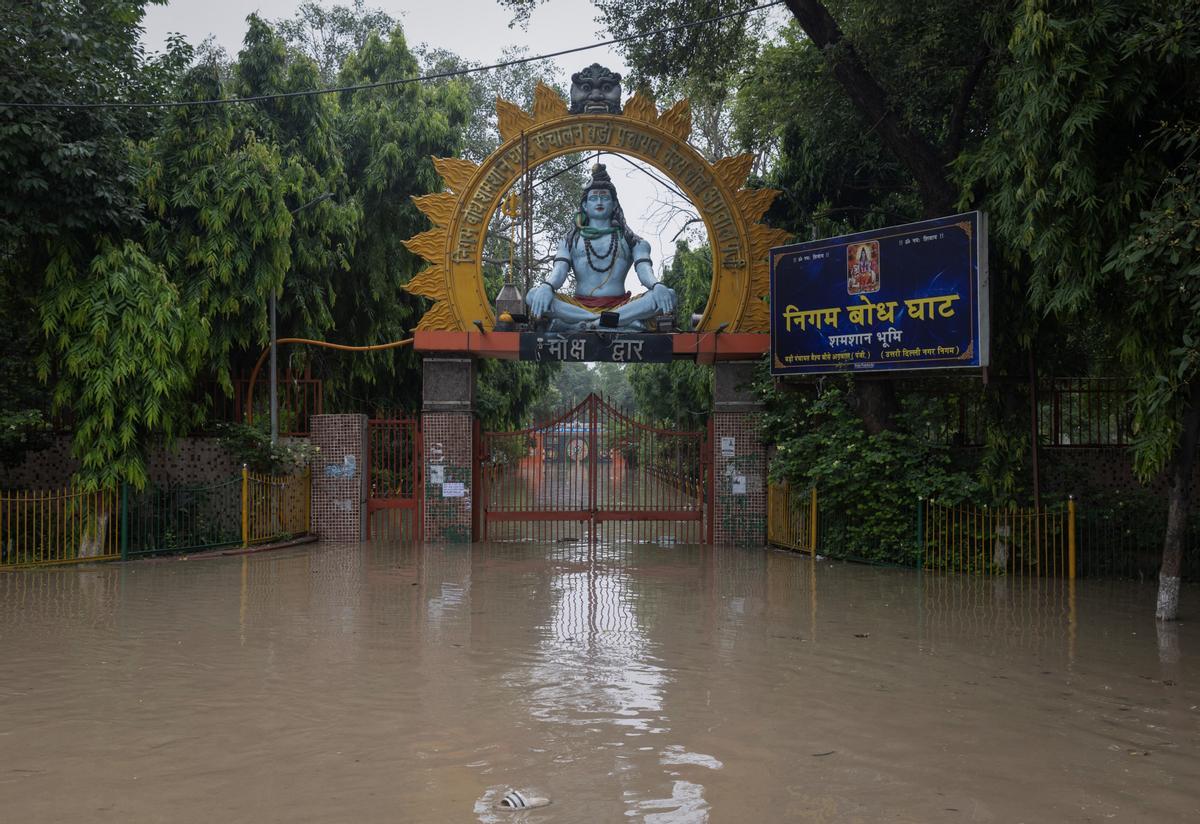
<point x="454" y="247"/>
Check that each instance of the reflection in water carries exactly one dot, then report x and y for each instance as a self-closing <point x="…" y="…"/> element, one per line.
<point x="623" y="681"/>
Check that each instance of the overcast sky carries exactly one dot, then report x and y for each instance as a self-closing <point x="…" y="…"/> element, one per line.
<point x="476" y="29"/>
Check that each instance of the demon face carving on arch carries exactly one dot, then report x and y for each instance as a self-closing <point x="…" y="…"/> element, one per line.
<point x="595" y="90"/>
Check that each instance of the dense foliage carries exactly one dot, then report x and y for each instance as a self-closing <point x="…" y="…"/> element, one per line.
<point x="141" y="246"/>
<point x="868" y="485"/>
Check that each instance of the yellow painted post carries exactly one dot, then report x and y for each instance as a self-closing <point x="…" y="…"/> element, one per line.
<point x="812" y="521"/>
<point x="307" y="525"/>
<point x="245" y="505"/>
<point x="1071" y="538"/>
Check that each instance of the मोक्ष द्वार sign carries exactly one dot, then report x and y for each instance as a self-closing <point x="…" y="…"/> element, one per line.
<point x="904" y="297"/>
<point x="600" y="346"/>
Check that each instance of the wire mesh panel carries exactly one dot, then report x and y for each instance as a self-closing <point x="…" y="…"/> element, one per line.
<point x="1125" y="540"/>
<point x="593" y="472"/>
<point x="394" y="477"/>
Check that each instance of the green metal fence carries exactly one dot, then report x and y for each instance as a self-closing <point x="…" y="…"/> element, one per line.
<point x="173" y="518"/>
<point x="1127" y="542"/>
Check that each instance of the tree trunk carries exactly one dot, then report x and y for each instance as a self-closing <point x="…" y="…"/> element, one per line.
<point x="876" y="404"/>
<point x="1179" y="505"/>
<point x="922" y="159"/>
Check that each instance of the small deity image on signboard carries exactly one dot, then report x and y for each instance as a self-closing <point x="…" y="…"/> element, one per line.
<point x="862" y="267"/>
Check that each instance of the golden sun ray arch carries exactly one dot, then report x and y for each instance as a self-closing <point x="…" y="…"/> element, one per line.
<point x="460" y="215"/>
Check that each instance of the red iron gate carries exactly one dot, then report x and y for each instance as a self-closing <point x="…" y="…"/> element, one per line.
<point x="394" y="474"/>
<point x="594" y="471"/>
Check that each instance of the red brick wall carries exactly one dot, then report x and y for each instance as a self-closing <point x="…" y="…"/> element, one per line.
<point x="447" y="443"/>
<point x="739" y="518"/>
<point x="339" y="487"/>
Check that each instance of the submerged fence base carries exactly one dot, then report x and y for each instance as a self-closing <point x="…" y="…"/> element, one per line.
<point x="792" y="517"/>
<point x="57" y="527"/>
<point x="69" y="526"/>
<point x="958" y="538"/>
<point x="1016" y="541"/>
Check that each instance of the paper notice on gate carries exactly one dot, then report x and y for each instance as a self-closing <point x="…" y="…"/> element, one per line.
<point x="437" y="473"/>
<point x="728" y="446"/>
<point x="455" y="489"/>
<point x="739" y="485"/>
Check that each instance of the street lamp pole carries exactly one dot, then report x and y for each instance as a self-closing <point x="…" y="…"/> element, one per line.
<point x="274" y="346"/>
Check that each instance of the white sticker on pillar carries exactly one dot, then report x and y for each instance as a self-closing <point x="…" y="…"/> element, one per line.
<point x="739" y="485"/>
<point x="728" y="446"/>
<point x="437" y="473"/>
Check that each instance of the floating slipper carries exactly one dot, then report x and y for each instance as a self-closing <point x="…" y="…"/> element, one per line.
<point x="514" y="800"/>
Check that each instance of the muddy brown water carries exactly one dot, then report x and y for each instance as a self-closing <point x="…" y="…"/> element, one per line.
<point x="390" y="683"/>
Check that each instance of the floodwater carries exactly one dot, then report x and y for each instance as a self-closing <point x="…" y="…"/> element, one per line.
<point x="390" y="683"/>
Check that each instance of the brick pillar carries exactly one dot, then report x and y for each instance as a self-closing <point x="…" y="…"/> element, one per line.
<point x="739" y="458"/>
<point x="339" y="484"/>
<point x="447" y="431"/>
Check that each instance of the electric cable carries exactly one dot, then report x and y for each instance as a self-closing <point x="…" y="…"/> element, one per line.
<point x="222" y="101"/>
<point x="656" y="178"/>
<point x="326" y="344"/>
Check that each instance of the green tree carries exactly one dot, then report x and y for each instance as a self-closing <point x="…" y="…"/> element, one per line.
<point x="120" y="340"/>
<point x="222" y="227"/>
<point x="326" y="211"/>
<point x="1090" y="176"/>
<point x="67" y="171"/>
<point x="613" y="385"/>
<point x="132" y="321"/>
<point x="390" y="135"/>
<point x="329" y="35"/>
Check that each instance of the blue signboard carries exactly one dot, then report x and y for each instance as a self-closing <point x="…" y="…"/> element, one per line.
<point x="905" y="297"/>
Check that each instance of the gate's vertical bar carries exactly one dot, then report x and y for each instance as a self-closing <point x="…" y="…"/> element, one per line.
<point x="592" y="422"/>
<point x="920" y="533"/>
<point x="479" y="490"/>
<point x="245" y="505"/>
<point x="418" y="481"/>
<point x="306" y="501"/>
<point x="812" y="521"/>
<point x="124" y="520"/>
<point x="373" y="438"/>
<point x="633" y="474"/>
<point x="711" y="461"/>
<point x="1071" y="556"/>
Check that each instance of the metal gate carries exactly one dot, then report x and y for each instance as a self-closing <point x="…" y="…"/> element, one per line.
<point x="395" y="478"/>
<point x="595" y="472"/>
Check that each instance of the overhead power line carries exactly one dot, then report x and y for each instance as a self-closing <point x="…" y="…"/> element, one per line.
<point x="222" y="101"/>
